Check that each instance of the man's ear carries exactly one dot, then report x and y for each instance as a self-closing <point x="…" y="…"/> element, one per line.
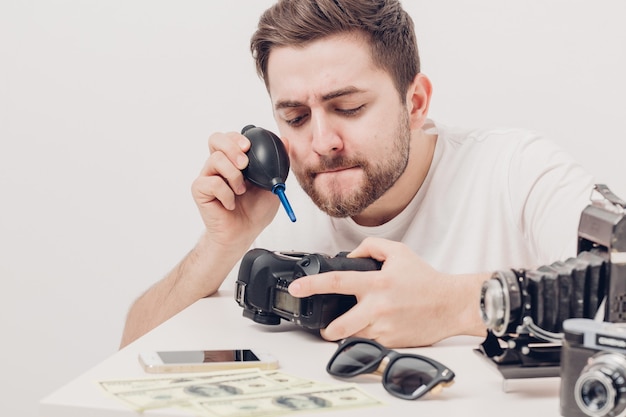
<point x="418" y="100"/>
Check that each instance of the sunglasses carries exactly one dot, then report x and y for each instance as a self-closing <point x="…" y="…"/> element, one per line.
<point x="405" y="376"/>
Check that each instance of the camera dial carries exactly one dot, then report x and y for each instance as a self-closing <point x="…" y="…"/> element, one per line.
<point x="601" y="387"/>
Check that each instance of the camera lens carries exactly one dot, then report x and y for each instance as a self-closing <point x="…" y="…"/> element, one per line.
<point x="600" y="388"/>
<point x="595" y="394"/>
<point x="500" y="301"/>
<point x="492" y="304"/>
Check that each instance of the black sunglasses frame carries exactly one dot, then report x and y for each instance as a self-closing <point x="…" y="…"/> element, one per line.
<point x="444" y="377"/>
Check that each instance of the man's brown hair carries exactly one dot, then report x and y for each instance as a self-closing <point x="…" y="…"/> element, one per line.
<point x="386" y="26"/>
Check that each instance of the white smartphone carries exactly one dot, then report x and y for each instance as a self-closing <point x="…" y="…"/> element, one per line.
<point x="206" y="360"/>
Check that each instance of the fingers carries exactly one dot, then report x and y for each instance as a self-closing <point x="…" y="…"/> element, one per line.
<point x="347" y="282"/>
<point x="208" y="189"/>
<point x="219" y="165"/>
<point x="335" y="282"/>
<point x="377" y="248"/>
<point x="221" y="177"/>
<point x="232" y="143"/>
<point x="338" y="282"/>
<point x="353" y="322"/>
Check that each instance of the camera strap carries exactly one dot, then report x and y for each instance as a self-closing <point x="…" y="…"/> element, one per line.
<point x="609" y="196"/>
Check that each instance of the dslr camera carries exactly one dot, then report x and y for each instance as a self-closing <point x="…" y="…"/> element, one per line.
<point x="264" y="276"/>
<point x="524" y="310"/>
<point x="593" y="368"/>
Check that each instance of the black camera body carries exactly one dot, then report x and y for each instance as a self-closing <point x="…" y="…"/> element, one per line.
<point x="526" y="309"/>
<point x="264" y="276"/>
<point x="603" y="230"/>
<point x="593" y="368"/>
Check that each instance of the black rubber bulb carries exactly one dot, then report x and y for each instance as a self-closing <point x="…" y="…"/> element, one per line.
<point x="268" y="165"/>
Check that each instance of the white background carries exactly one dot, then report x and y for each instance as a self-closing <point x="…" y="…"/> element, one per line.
<point x="105" y="111"/>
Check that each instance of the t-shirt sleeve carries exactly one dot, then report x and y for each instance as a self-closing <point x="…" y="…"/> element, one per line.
<point x="548" y="192"/>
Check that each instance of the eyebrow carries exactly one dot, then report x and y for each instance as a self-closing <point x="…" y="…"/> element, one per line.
<point x="286" y="104"/>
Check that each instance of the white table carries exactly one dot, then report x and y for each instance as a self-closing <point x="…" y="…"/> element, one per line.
<point x="217" y="322"/>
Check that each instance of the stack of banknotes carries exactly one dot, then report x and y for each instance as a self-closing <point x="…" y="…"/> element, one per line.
<point x="237" y="393"/>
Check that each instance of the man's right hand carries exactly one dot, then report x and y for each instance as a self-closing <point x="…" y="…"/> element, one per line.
<point x="234" y="212"/>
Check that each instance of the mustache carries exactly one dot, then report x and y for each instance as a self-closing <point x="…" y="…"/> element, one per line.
<point x="331" y="163"/>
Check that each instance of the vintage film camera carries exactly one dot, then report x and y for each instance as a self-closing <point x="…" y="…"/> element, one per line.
<point x="261" y="287"/>
<point x="593" y="368"/>
<point x="524" y="310"/>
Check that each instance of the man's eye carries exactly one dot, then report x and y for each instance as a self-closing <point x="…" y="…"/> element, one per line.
<point x="296" y="121"/>
<point x="351" y="112"/>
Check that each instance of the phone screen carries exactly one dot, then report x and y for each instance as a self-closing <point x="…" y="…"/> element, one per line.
<point x="208" y="356"/>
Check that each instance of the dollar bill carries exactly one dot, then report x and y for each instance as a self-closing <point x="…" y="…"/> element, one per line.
<point x="344" y="396"/>
<point x="294" y="381"/>
<point x="188" y="392"/>
<point x="125" y="385"/>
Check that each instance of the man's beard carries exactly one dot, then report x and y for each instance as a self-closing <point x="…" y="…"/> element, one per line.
<point x="379" y="176"/>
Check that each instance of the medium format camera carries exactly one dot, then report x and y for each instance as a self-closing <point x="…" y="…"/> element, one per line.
<point x="264" y="276"/>
<point x="593" y="369"/>
<point x="525" y="309"/>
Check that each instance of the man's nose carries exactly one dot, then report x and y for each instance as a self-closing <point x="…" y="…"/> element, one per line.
<point x="325" y="137"/>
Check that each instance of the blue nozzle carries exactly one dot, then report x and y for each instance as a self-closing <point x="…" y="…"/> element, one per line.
<point x="279" y="190"/>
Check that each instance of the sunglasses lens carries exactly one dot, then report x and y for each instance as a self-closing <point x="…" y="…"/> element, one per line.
<point x="410" y="377"/>
<point x="353" y="359"/>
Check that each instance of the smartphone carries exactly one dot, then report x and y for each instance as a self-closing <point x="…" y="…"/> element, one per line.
<point x="206" y="360"/>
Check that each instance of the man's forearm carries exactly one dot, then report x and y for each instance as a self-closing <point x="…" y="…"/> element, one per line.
<point x="198" y="275"/>
<point x="466" y="290"/>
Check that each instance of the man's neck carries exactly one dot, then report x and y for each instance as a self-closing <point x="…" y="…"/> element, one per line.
<point x="390" y="204"/>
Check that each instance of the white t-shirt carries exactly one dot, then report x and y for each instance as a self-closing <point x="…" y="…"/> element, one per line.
<point x="492" y="199"/>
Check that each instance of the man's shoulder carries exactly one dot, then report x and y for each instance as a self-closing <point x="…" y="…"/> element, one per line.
<point x="495" y="141"/>
<point x="489" y="136"/>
